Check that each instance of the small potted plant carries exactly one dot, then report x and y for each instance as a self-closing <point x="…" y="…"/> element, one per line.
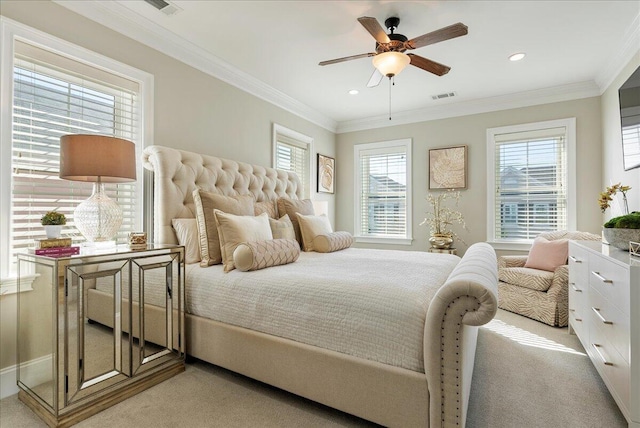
<point x="619" y="231"/>
<point x="53" y="222"/>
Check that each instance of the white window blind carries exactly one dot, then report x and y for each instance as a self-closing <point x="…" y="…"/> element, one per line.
<point x="54" y="96"/>
<point x="530" y="183"/>
<point x="382" y="200"/>
<point x="292" y="152"/>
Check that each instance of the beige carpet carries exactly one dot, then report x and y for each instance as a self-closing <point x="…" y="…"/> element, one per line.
<point x="527" y="375"/>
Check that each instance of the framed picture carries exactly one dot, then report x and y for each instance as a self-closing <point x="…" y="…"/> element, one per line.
<point x="326" y="174"/>
<point x="448" y="168"/>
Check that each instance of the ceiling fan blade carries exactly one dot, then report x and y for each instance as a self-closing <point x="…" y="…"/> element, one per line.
<point x="346" y="58"/>
<point x="375" y="79"/>
<point x="429" y="65"/>
<point x="374" y="28"/>
<point x="446" y="33"/>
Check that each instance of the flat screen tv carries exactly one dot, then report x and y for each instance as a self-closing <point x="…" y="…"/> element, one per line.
<point x="629" y="96"/>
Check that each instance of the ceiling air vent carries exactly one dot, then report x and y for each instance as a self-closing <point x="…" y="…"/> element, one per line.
<point x="164" y="6"/>
<point x="445" y="95"/>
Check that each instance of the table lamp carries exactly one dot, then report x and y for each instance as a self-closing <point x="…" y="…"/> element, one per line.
<point x="98" y="159"/>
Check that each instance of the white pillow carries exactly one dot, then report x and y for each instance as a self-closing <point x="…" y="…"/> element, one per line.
<point x="187" y="233"/>
<point x="236" y="229"/>
<point x="282" y="228"/>
<point x="312" y="226"/>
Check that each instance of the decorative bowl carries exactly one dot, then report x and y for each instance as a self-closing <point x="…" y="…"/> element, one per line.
<point x="619" y="237"/>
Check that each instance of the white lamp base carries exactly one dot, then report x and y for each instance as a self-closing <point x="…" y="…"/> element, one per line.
<point x="99" y="217"/>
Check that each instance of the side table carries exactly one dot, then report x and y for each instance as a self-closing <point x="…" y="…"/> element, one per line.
<point x="70" y="367"/>
<point x="444" y="251"/>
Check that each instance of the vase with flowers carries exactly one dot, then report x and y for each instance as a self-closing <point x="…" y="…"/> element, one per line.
<point x="620" y="230"/>
<point x="441" y="217"/>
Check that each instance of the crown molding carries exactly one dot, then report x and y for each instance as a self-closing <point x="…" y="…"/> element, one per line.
<point x="484" y="105"/>
<point x="620" y="58"/>
<point x="119" y="18"/>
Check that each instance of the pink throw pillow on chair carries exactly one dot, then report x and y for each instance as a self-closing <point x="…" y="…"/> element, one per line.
<point x="547" y="255"/>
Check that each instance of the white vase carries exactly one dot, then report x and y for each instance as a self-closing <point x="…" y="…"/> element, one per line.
<point x="53" y="230"/>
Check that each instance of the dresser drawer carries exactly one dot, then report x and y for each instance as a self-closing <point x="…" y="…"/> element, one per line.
<point x="578" y="265"/>
<point x="614" y="370"/>
<point x="610" y="279"/>
<point x="613" y="323"/>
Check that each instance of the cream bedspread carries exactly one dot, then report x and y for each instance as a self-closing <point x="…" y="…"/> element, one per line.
<point x="367" y="303"/>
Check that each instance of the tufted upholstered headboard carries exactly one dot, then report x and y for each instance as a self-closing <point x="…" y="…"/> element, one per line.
<point x="177" y="173"/>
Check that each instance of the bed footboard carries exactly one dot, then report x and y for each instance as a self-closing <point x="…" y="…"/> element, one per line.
<point x="469" y="298"/>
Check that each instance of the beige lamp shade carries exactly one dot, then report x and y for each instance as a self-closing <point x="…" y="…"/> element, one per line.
<point x="97" y="158"/>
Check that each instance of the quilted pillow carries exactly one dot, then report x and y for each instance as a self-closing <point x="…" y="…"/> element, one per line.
<point x="293" y="206"/>
<point x="547" y="255"/>
<point x="312" y="226"/>
<point x="236" y="229"/>
<point x="268" y="207"/>
<point x="205" y="203"/>
<point x="263" y="254"/>
<point x="283" y="228"/>
<point x="187" y="233"/>
<point x="332" y="242"/>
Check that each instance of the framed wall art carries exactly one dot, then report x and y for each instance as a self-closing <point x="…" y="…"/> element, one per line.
<point x="448" y="168"/>
<point x="326" y="174"/>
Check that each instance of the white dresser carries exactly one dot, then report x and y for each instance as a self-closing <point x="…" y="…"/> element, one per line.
<point x="604" y="312"/>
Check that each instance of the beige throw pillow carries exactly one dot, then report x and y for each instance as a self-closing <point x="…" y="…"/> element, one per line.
<point x="187" y="233"/>
<point x="332" y="242"/>
<point x="205" y="203"/>
<point x="293" y="206"/>
<point x="263" y="254"/>
<point x="268" y="207"/>
<point x="283" y="228"/>
<point x="312" y="226"/>
<point x="234" y="230"/>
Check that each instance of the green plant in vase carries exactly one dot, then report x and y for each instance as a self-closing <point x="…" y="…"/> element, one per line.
<point x="621" y="230"/>
<point x="53" y="222"/>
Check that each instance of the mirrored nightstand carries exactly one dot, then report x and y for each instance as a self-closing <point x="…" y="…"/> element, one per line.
<point x="111" y="328"/>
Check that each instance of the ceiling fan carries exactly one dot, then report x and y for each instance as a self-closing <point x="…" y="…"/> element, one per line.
<point x="389" y="58"/>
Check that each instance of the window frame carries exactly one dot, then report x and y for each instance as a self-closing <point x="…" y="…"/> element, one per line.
<point x="383" y="145"/>
<point x="303" y="141"/>
<point x="570" y="137"/>
<point x="11" y="31"/>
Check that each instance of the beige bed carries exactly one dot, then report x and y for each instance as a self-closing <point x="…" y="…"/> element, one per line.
<point x="434" y="394"/>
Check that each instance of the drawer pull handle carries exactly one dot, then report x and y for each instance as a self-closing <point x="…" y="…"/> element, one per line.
<point x="576" y="289"/>
<point x="597" y="311"/>
<point x="604" y="360"/>
<point x="573" y="259"/>
<point x="601" y="278"/>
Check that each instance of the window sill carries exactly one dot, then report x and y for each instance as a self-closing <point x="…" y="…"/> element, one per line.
<point x="10" y="285"/>
<point x="514" y="246"/>
<point x="382" y="240"/>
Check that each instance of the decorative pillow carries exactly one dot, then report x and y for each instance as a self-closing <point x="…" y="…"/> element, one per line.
<point x="235" y="229"/>
<point x="332" y="242"/>
<point x="547" y="255"/>
<point x="263" y="254"/>
<point x="283" y="228"/>
<point x="312" y="226"/>
<point x="205" y="203"/>
<point x="187" y="233"/>
<point x="268" y="207"/>
<point x="293" y="206"/>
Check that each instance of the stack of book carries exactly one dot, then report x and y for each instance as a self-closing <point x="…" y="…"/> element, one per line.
<point x="55" y="247"/>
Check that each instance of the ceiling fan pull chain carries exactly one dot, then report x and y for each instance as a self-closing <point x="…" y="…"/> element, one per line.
<point x="390" y="98"/>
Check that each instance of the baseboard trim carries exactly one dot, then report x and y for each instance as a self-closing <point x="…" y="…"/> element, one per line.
<point x="40" y="371"/>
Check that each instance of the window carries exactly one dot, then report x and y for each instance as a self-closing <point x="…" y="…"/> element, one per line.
<point x="56" y="90"/>
<point x="292" y="152"/>
<point x="383" y="192"/>
<point x="532" y="180"/>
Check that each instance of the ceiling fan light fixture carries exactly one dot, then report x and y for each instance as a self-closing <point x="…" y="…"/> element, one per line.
<point x="391" y="63"/>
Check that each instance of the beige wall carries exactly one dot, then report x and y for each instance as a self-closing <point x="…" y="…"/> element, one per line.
<point x="613" y="170"/>
<point x="192" y="110"/>
<point x="471" y="130"/>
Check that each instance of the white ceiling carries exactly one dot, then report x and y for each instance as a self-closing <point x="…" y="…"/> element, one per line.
<point x="574" y="49"/>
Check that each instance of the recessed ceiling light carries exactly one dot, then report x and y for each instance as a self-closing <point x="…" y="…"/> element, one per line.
<point x="354" y="92"/>
<point x="516" y="56"/>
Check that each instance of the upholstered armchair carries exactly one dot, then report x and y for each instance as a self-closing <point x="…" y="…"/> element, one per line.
<point x="535" y="293"/>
